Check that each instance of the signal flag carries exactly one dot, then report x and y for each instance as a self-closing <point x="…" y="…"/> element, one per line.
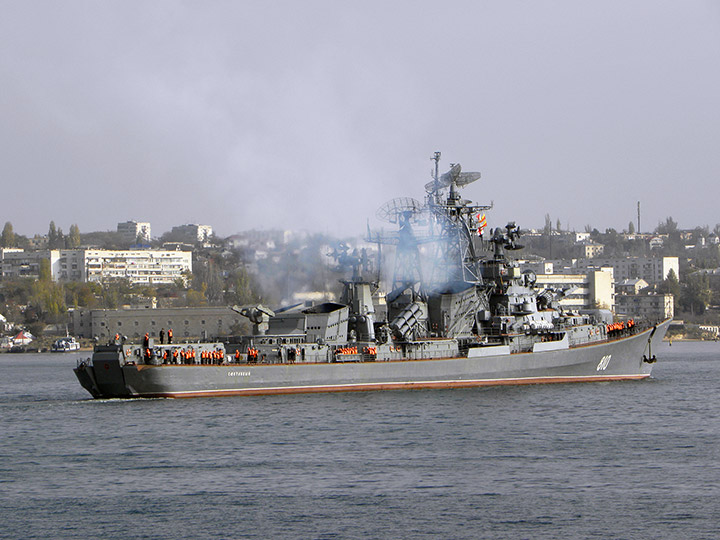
<point x="482" y="223"/>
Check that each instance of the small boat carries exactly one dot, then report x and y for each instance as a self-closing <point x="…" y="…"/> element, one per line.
<point x="65" y="344"/>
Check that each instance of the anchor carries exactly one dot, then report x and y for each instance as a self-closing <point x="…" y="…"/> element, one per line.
<point x="650" y="359"/>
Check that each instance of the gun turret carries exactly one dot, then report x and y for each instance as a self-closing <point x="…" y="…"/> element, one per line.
<point x="258" y="314"/>
<point x="506" y="239"/>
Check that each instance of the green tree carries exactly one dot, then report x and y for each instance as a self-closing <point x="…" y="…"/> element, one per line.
<point x="207" y="279"/>
<point x="52" y="236"/>
<point x="8" y="236"/>
<point x="670" y="226"/>
<point x="14" y="295"/>
<point x="696" y="294"/>
<point x="631" y="228"/>
<point x="79" y="294"/>
<point x="612" y="242"/>
<point x="36" y="328"/>
<point x="73" y="239"/>
<point x="47" y="297"/>
<point x="115" y="293"/>
<point x="708" y="257"/>
<point x="671" y="285"/>
<point x="240" y="288"/>
<point x="56" y="239"/>
<point x="44" y="273"/>
<point x="196" y="298"/>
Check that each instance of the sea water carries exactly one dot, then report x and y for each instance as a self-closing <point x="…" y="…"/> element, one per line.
<point x="602" y="460"/>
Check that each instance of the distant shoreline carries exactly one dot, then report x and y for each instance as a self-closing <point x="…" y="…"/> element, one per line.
<point x="43" y="351"/>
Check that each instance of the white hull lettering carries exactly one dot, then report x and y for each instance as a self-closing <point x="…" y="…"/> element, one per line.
<point x="603" y="364"/>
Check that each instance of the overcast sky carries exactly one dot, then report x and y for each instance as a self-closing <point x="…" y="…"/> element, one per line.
<point x="311" y="115"/>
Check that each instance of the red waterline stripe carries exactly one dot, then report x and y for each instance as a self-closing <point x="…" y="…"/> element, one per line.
<point x="392" y="386"/>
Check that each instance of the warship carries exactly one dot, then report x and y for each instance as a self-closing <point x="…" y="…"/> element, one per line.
<point x="458" y="313"/>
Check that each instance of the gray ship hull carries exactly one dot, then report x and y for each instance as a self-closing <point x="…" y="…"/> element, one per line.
<point x="621" y="359"/>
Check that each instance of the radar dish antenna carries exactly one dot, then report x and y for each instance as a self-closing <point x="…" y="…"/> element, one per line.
<point x="455" y="177"/>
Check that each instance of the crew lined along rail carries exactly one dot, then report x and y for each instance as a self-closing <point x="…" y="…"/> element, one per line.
<point x="619" y="328"/>
<point x="180" y="355"/>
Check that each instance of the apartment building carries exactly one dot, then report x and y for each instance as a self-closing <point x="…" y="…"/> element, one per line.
<point x="192" y="232"/>
<point x="589" y="290"/>
<point x="651" y="269"/>
<point x="146" y="267"/>
<point x="654" y="307"/>
<point x="132" y="231"/>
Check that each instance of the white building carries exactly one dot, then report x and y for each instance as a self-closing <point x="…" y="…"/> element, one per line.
<point x="68" y="265"/>
<point x="656" y="242"/>
<point x="581" y="237"/>
<point x="651" y="269"/>
<point x="137" y="266"/>
<point x="18" y="263"/>
<point x="710" y="329"/>
<point x="630" y="286"/>
<point x="654" y="307"/>
<point x="193" y="232"/>
<point x="593" y="289"/>
<point x="134" y="230"/>
<point x="4" y="325"/>
<point x="589" y="249"/>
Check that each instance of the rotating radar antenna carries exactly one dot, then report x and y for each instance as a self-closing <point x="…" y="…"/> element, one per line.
<point x="401" y="210"/>
<point x="454" y="178"/>
<point x="405" y="212"/>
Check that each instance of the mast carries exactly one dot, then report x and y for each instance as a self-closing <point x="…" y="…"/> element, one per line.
<point x="454" y="223"/>
<point x="436" y="159"/>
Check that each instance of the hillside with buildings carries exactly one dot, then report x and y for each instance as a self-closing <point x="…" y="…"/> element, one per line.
<point x="126" y="281"/>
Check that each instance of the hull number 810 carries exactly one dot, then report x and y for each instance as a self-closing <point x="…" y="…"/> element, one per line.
<point x="603" y="364"/>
